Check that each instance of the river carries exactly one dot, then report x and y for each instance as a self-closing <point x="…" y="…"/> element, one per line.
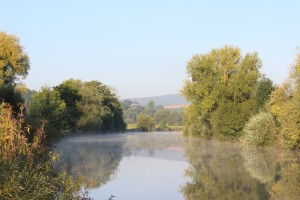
<point x="164" y="165"/>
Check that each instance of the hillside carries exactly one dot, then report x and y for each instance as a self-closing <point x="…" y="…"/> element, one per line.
<point x="164" y="100"/>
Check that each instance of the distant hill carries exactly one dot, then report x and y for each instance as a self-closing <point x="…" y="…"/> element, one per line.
<point x="164" y="100"/>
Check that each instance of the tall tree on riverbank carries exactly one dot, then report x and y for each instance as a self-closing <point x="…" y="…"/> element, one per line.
<point x="76" y="105"/>
<point x="14" y="64"/>
<point x="285" y="105"/>
<point x="100" y="108"/>
<point x="221" y="88"/>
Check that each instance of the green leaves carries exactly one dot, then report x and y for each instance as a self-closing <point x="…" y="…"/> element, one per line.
<point x="14" y="63"/>
<point x="284" y="103"/>
<point x="219" y="85"/>
<point x="145" y="123"/>
<point x="76" y="105"/>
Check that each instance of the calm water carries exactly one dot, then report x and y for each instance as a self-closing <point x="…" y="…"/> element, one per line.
<point x="153" y="166"/>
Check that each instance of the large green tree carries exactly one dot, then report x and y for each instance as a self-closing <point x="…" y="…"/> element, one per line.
<point x="47" y="106"/>
<point x="69" y="93"/>
<point x="14" y="62"/>
<point x="221" y="88"/>
<point x="100" y="108"/>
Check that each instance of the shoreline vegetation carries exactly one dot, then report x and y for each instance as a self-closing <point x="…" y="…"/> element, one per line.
<point x="230" y="100"/>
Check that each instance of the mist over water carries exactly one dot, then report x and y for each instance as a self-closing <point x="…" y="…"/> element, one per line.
<point x="168" y="166"/>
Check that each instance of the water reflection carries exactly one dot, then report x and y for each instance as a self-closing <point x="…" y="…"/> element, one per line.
<point x="151" y="164"/>
<point x="224" y="170"/>
<point x="90" y="158"/>
<point x="154" y="165"/>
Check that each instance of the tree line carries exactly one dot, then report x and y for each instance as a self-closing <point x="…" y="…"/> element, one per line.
<point x="151" y="117"/>
<point x="232" y="100"/>
<point x="30" y="121"/>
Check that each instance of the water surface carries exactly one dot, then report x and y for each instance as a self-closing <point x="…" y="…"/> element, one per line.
<point x="167" y="166"/>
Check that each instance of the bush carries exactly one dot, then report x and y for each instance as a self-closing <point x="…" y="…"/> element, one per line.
<point x="145" y="123"/>
<point x="26" y="167"/>
<point x="260" y="130"/>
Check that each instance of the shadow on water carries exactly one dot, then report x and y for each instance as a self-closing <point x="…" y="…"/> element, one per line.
<point x="216" y="170"/>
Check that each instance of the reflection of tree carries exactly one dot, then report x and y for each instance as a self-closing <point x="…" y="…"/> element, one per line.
<point x="94" y="161"/>
<point x="221" y="170"/>
<point x="279" y="169"/>
<point x="287" y="182"/>
<point x="151" y="142"/>
<point x="216" y="172"/>
<point x="260" y="163"/>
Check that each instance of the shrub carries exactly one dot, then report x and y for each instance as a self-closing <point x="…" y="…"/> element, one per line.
<point x="260" y="130"/>
<point x="26" y="167"/>
<point x="145" y="123"/>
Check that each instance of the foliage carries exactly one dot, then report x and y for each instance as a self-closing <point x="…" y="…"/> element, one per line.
<point x="26" y="173"/>
<point x="46" y="106"/>
<point x="14" y="63"/>
<point x="175" y="118"/>
<point x="25" y="93"/>
<point x="260" y="130"/>
<point x="76" y="105"/>
<point x="150" y="108"/>
<point x="229" y="118"/>
<point x="145" y="123"/>
<point x="284" y="103"/>
<point x="69" y="93"/>
<point x="196" y="123"/>
<point x="162" y="115"/>
<point x="9" y="94"/>
<point x="100" y="108"/>
<point x="131" y="111"/>
<point x="264" y="89"/>
<point x="218" y="81"/>
<point x="164" y="118"/>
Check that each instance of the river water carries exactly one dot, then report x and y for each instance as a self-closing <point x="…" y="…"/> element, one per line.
<point x="160" y="165"/>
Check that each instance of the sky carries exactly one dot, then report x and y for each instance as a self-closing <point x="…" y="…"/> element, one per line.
<point x="141" y="48"/>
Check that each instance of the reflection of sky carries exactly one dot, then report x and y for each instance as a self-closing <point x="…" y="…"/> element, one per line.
<point x="145" y="178"/>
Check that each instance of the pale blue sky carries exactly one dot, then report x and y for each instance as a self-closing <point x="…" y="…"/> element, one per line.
<point x="141" y="47"/>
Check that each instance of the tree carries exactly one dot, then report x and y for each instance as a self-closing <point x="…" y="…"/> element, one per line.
<point x="100" y="108"/>
<point x="150" y="108"/>
<point x="260" y="130"/>
<point x="263" y="92"/>
<point x="219" y="81"/>
<point x="162" y="116"/>
<point x="47" y="106"/>
<point x="284" y="103"/>
<point x="9" y="94"/>
<point x="145" y="123"/>
<point x="14" y="63"/>
<point x="25" y="92"/>
<point x="69" y="93"/>
<point x="131" y="110"/>
<point x="175" y="118"/>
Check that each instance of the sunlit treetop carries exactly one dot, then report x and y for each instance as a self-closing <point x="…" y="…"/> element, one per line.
<point x="14" y="62"/>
